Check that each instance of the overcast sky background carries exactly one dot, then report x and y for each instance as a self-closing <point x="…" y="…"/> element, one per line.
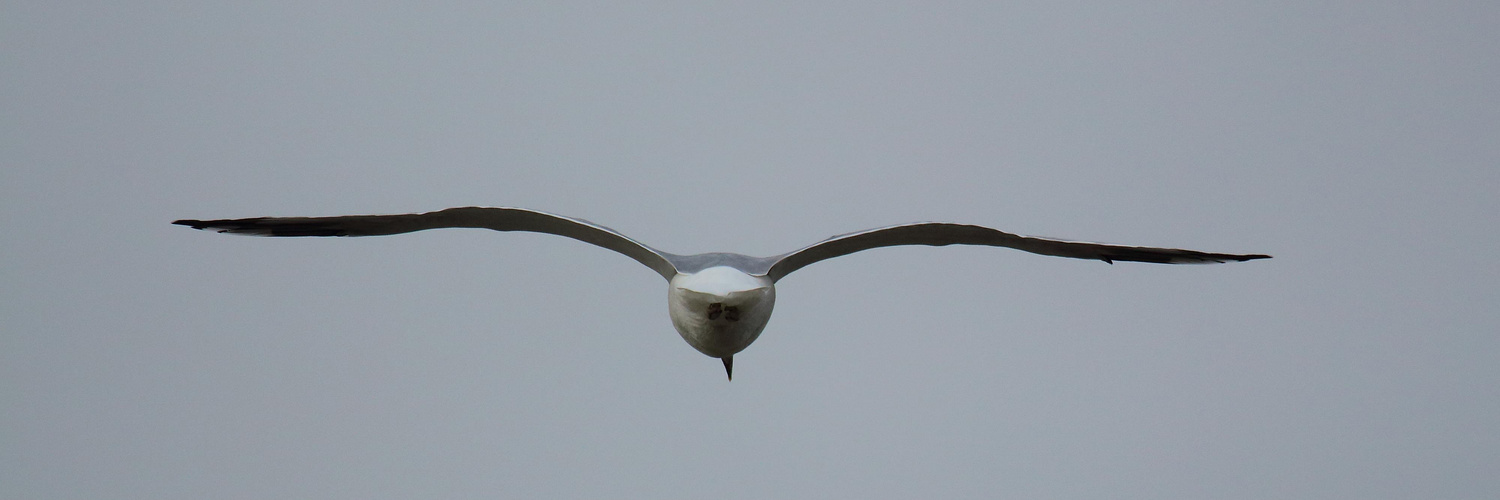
<point x="1354" y="141"/>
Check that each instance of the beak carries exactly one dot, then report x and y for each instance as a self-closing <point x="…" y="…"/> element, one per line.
<point x="729" y="366"/>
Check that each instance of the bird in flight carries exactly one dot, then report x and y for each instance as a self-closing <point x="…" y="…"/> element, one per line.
<point x="719" y="302"/>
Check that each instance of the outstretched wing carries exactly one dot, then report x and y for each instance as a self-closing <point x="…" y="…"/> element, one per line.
<point x="499" y="219"/>
<point x="940" y="233"/>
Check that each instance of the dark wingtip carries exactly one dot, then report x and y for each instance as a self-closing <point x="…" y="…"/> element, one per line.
<point x="728" y="366"/>
<point x="195" y="224"/>
<point x="1253" y="257"/>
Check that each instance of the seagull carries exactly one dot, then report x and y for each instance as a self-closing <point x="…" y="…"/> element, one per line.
<point x="719" y="302"/>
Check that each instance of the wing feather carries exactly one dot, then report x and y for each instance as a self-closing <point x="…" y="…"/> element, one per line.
<point x="941" y="234"/>
<point x="496" y="218"/>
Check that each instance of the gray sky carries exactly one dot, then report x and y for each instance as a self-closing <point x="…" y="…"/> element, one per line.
<point x="1354" y="141"/>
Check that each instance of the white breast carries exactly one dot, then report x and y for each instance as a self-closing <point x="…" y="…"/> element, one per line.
<point x="720" y="310"/>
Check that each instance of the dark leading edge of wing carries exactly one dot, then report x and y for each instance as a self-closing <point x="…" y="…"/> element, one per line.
<point x="940" y="234"/>
<point x="667" y="265"/>
<point x="498" y="219"/>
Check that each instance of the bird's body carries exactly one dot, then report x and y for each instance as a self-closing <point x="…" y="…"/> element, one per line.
<point x="719" y="302"/>
<point x="720" y="310"/>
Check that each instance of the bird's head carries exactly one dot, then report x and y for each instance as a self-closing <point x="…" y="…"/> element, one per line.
<point x="720" y="310"/>
<point x="720" y="288"/>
